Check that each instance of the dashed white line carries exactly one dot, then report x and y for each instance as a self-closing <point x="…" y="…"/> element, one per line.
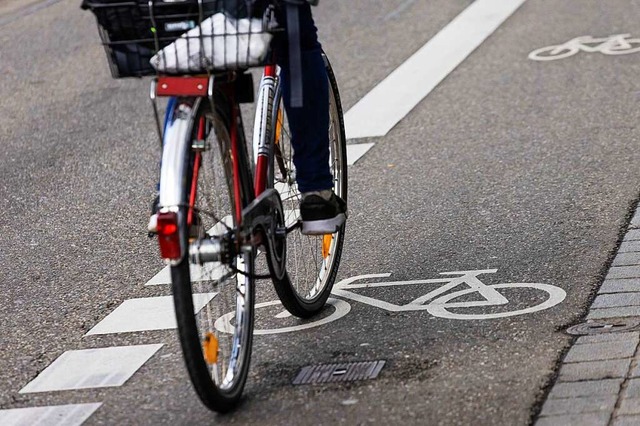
<point x="145" y="314"/>
<point x="92" y="368"/>
<point x="356" y="151"/>
<point x="210" y="271"/>
<point x="55" y="415"/>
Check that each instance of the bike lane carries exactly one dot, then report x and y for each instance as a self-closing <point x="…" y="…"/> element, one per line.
<point x="509" y="164"/>
<point x="50" y="112"/>
<point x="512" y="164"/>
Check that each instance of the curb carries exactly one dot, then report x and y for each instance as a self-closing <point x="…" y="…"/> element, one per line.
<point x="598" y="382"/>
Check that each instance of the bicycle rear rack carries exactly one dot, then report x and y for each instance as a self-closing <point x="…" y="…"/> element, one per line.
<point x="175" y="86"/>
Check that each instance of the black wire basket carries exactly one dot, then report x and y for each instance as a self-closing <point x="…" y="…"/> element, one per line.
<point x="182" y="37"/>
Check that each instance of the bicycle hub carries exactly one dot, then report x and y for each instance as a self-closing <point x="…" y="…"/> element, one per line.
<point x="207" y="250"/>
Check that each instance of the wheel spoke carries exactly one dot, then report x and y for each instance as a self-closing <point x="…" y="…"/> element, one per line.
<point x="311" y="267"/>
<point x="217" y="360"/>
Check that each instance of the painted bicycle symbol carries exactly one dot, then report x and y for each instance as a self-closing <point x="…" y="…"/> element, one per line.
<point x="441" y="302"/>
<point x="617" y="44"/>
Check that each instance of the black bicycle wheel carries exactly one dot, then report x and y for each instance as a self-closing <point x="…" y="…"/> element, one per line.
<point x="312" y="261"/>
<point x="217" y="351"/>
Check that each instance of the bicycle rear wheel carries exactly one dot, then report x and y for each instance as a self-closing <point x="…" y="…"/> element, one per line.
<point x="312" y="261"/>
<point x="217" y="360"/>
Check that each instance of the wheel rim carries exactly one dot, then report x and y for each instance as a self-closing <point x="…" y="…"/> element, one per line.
<point x="224" y="354"/>
<point x="310" y="259"/>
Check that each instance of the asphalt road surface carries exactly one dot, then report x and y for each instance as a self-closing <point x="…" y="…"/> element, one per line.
<point x="527" y="167"/>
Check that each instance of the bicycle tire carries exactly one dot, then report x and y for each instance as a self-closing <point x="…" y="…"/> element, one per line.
<point x="304" y="290"/>
<point x="217" y="362"/>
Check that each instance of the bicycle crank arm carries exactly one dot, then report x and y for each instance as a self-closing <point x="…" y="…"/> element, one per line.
<point x="265" y="214"/>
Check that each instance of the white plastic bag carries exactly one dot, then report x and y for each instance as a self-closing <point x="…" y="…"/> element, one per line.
<point x="219" y="42"/>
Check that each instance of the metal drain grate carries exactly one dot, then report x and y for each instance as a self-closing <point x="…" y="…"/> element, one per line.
<point x="600" y="327"/>
<point x="345" y="372"/>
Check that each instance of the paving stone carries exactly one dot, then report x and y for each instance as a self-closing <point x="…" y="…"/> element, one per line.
<point x="628" y="311"/>
<point x="594" y="419"/>
<point x="629" y="246"/>
<point x="623" y="272"/>
<point x="632" y="390"/>
<point x="626" y="259"/>
<point x="632" y="235"/>
<point x="629" y="406"/>
<point x="620" y="286"/>
<point x="626" y="421"/>
<point x="608" y="337"/>
<point x="635" y="220"/>
<point x="585" y="388"/>
<point x="616" y="300"/>
<point x="601" y="351"/>
<point x="595" y="370"/>
<point x="555" y="407"/>
<point x="635" y="370"/>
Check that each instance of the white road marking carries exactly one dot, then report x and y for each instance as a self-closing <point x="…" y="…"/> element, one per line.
<point x="284" y="314"/>
<point x="617" y="44"/>
<point x="341" y="307"/>
<point x="438" y="308"/>
<point x="389" y="102"/>
<point x="92" y="368"/>
<point x="144" y="314"/>
<point x="55" y="415"/>
<point x="437" y="302"/>
<point x="398" y="10"/>
<point x="210" y="271"/>
<point x="356" y="151"/>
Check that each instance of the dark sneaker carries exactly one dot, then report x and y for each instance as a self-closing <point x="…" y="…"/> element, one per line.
<point x="321" y="215"/>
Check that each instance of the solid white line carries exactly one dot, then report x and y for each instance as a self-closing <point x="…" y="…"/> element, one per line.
<point x="389" y="102"/>
<point x="55" y="415"/>
<point x="92" y="368"/>
<point x="145" y="314"/>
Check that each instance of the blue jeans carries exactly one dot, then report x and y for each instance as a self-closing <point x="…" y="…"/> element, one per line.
<point x="309" y="125"/>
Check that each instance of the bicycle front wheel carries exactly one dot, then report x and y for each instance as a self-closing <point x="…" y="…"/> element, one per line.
<point x="217" y="360"/>
<point x="312" y="261"/>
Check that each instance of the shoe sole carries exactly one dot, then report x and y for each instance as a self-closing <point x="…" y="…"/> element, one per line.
<point x="325" y="226"/>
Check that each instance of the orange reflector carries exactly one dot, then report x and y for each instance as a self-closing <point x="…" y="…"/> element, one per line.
<point x="279" y="125"/>
<point x="326" y="245"/>
<point x="210" y="348"/>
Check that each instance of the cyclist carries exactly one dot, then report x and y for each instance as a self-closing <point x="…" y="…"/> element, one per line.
<point x="321" y="210"/>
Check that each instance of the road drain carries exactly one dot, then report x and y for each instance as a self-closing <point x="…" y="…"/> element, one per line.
<point x="345" y="372"/>
<point x="600" y="327"/>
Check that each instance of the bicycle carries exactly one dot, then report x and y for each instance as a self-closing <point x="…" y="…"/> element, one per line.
<point x="219" y="213"/>
<point x="440" y="302"/>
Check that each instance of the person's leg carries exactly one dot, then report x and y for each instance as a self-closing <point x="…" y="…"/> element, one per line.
<point x="309" y="125"/>
<point x="322" y="212"/>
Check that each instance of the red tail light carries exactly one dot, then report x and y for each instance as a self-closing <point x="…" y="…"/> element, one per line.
<point x="168" y="235"/>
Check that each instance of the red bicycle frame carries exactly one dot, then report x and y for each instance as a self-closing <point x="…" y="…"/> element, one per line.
<point x="199" y="86"/>
<point x="262" y="162"/>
